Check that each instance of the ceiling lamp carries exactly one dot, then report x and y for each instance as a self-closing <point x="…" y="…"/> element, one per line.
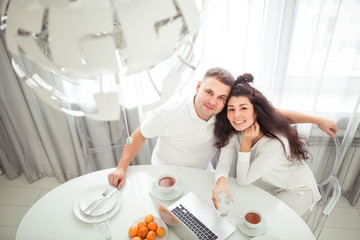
<point x="90" y="39"/>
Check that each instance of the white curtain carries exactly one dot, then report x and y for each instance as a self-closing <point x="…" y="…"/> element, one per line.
<point x="35" y="139"/>
<point x="304" y="55"/>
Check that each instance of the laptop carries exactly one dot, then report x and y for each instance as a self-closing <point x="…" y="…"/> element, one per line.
<point x="192" y="219"/>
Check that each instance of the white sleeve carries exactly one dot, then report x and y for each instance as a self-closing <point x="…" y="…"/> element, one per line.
<point x="223" y="167"/>
<point x="262" y="163"/>
<point x="226" y="157"/>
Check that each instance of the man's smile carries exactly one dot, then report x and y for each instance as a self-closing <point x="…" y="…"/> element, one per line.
<point x="209" y="107"/>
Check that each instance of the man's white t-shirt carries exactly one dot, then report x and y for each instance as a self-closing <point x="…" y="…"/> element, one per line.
<point x="184" y="139"/>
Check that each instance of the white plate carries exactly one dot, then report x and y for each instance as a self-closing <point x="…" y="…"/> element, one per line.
<point x="252" y="232"/>
<point x="167" y="196"/>
<point x="80" y="215"/>
<point x="91" y="194"/>
<point x="158" y="221"/>
<point x="265" y="237"/>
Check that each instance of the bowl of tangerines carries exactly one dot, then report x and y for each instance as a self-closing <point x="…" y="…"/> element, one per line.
<point x="149" y="228"/>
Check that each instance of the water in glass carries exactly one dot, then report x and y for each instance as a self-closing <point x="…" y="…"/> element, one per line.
<point x="224" y="203"/>
<point x="103" y="229"/>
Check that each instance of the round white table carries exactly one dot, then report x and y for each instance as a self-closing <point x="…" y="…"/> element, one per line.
<point x="52" y="216"/>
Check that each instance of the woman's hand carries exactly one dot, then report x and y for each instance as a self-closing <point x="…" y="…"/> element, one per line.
<point x="248" y="135"/>
<point x="221" y="186"/>
<point x="328" y="126"/>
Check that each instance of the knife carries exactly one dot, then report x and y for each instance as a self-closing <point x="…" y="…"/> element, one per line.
<point x="102" y="200"/>
<point x="97" y="200"/>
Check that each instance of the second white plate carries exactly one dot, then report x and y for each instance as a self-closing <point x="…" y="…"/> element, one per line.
<point x="265" y="237"/>
<point x="252" y="232"/>
<point x="167" y="196"/>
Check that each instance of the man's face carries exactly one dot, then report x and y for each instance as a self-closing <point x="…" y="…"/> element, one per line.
<point x="210" y="98"/>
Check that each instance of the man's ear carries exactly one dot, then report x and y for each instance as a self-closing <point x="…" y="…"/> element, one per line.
<point x="198" y="86"/>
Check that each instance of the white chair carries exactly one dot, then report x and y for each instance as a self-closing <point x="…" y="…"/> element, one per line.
<point x="103" y="142"/>
<point x="100" y="156"/>
<point x="330" y="191"/>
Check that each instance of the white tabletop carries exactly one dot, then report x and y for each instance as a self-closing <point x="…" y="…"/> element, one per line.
<point x="52" y="217"/>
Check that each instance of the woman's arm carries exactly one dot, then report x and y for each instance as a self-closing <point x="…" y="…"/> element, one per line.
<point x="249" y="170"/>
<point x="221" y="186"/>
<point x="226" y="157"/>
<point x="247" y="173"/>
<point x="327" y="125"/>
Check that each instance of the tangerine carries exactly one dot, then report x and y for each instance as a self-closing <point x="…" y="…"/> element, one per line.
<point x="133" y="231"/>
<point x="141" y="224"/>
<point x="160" y="231"/>
<point x="151" y="235"/>
<point x="136" y="238"/>
<point x="149" y="218"/>
<point x="142" y="232"/>
<point x="152" y="226"/>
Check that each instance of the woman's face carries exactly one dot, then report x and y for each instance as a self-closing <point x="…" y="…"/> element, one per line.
<point x="240" y="113"/>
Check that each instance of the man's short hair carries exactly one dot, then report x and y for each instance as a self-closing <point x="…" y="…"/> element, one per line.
<point x="222" y="75"/>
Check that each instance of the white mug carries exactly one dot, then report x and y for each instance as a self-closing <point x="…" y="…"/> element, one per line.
<point x="166" y="183"/>
<point x="253" y="218"/>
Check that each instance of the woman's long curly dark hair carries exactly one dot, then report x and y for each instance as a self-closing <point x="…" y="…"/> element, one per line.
<point x="271" y="122"/>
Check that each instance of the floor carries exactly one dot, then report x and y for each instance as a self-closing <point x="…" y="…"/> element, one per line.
<point x="17" y="196"/>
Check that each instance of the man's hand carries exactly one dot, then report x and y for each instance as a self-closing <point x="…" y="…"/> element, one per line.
<point x="117" y="177"/>
<point x="221" y="186"/>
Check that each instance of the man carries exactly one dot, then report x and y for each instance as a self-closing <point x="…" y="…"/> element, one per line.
<point x="185" y="128"/>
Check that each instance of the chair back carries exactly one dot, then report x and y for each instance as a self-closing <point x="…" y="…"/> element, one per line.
<point x="333" y="164"/>
<point x="103" y="143"/>
<point x="330" y="191"/>
<point x="103" y="157"/>
<point x="326" y="154"/>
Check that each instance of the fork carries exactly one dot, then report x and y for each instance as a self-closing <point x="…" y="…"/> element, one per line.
<point x="101" y="201"/>
<point x="97" y="200"/>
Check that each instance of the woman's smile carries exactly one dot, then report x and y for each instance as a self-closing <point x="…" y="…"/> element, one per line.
<point x="240" y="113"/>
<point x="239" y="122"/>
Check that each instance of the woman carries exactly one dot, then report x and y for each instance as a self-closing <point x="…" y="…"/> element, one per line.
<point x="270" y="152"/>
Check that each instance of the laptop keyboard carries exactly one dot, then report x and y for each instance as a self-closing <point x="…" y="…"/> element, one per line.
<point x="201" y="231"/>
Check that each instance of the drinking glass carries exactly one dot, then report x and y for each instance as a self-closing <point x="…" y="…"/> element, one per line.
<point x="102" y="228"/>
<point x="224" y="203"/>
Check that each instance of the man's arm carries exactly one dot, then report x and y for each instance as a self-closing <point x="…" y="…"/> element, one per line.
<point x="117" y="177"/>
<point x="327" y="125"/>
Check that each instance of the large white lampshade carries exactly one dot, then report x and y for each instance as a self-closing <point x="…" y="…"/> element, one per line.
<point x="89" y="39"/>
